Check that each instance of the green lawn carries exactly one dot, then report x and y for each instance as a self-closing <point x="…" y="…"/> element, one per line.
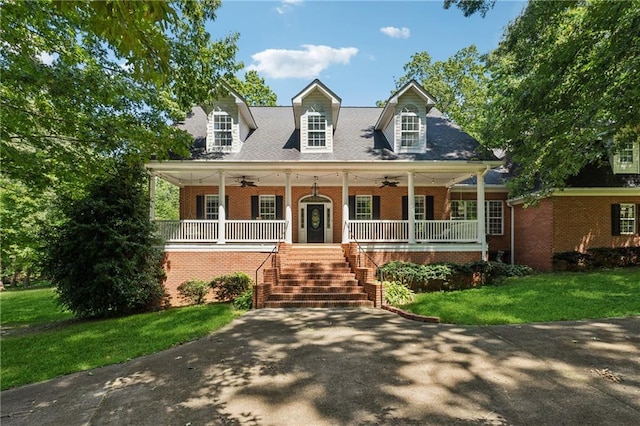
<point x="538" y="298"/>
<point x="58" y="345"/>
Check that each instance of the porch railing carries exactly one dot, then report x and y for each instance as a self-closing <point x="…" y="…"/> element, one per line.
<point x="425" y="230"/>
<point x="206" y="231"/>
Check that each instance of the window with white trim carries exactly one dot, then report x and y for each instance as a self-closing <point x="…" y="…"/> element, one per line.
<point x="267" y="207"/>
<point x="468" y="210"/>
<point x="626" y="154"/>
<point x="364" y="207"/>
<point x="316" y="126"/>
<point x="420" y="208"/>
<point x="494" y="215"/>
<point x="211" y="203"/>
<point x="222" y="129"/>
<point x="410" y="127"/>
<point x="627" y="219"/>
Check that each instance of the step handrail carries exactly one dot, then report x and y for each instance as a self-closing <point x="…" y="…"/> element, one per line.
<point x="274" y="251"/>
<point x="378" y="270"/>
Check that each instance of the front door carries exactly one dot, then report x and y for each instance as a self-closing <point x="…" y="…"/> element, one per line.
<point x="315" y="223"/>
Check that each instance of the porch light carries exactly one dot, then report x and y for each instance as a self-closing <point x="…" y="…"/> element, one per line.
<point x="315" y="188"/>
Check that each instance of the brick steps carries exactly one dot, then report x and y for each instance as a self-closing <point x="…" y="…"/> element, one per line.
<point x="316" y="276"/>
<point x="319" y="304"/>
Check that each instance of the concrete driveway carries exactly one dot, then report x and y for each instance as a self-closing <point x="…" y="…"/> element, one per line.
<point x="358" y="367"/>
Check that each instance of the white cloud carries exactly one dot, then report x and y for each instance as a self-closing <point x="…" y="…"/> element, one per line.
<point x="307" y="63"/>
<point x="395" y="32"/>
<point x="287" y="5"/>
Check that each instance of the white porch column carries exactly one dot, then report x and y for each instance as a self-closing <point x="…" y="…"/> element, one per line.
<point x="482" y="238"/>
<point x="152" y="197"/>
<point x="345" y="207"/>
<point x="288" y="214"/>
<point x="221" y="209"/>
<point x="411" y="200"/>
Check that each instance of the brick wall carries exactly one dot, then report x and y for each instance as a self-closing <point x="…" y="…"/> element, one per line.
<point x="581" y="223"/>
<point x="183" y="266"/>
<point x="382" y="257"/>
<point x="534" y="235"/>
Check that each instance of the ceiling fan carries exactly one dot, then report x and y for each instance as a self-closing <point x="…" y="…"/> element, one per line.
<point x="244" y="182"/>
<point x="389" y="183"/>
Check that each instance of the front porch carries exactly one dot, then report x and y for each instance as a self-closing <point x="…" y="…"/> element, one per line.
<point x="361" y="231"/>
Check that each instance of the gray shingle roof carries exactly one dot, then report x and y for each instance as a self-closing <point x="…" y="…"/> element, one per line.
<point x="355" y="139"/>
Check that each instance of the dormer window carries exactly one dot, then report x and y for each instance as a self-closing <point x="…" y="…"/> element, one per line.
<point x="627" y="160"/>
<point x="410" y="130"/>
<point x="222" y="129"/>
<point x="316" y="126"/>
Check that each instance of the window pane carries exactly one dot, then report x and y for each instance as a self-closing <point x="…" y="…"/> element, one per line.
<point x="420" y="207"/>
<point x="494" y="217"/>
<point x="627" y="218"/>
<point x="268" y="207"/>
<point x="211" y="206"/>
<point x="316" y="125"/>
<point x="363" y="207"/>
<point x="222" y="125"/>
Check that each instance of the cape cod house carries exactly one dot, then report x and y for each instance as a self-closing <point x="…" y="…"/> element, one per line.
<point x="309" y="198"/>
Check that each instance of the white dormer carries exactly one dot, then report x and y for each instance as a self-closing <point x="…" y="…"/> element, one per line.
<point x="315" y="111"/>
<point x="627" y="160"/>
<point x="404" y="119"/>
<point x="229" y="121"/>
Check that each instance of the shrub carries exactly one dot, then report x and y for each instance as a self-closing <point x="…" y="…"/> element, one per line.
<point x="103" y="256"/>
<point x="228" y="287"/>
<point x="396" y="293"/>
<point x="571" y="261"/>
<point x="244" y="301"/>
<point x="194" y="291"/>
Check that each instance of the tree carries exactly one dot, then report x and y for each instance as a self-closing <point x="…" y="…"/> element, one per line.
<point x="167" y="200"/>
<point x="469" y="7"/>
<point x="104" y="258"/>
<point x="84" y="81"/>
<point x="459" y="85"/>
<point x="565" y="89"/>
<point x="254" y="90"/>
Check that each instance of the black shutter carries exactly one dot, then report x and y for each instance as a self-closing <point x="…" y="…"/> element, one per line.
<point x="376" y="207"/>
<point x="199" y="207"/>
<point x="638" y="219"/>
<point x="429" y="207"/>
<point x="352" y="207"/>
<point x="279" y="203"/>
<point x="255" y="207"/>
<point x="226" y="206"/>
<point x="615" y="219"/>
<point x="405" y="207"/>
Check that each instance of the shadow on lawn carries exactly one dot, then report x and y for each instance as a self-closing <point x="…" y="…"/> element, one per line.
<point x="368" y="367"/>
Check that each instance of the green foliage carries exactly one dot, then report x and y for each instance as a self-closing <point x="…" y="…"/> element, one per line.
<point x="254" y="90"/>
<point x="194" y="291"/>
<point x="459" y="84"/>
<point x="229" y="287"/>
<point x="397" y="294"/>
<point x="449" y="276"/>
<point x="84" y="81"/>
<point x="469" y="7"/>
<point x="595" y="258"/>
<point x="104" y="258"/>
<point x="83" y="345"/>
<point x="565" y="81"/>
<point x="244" y="301"/>
<point x="537" y="298"/>
<point x="167" y="201"/>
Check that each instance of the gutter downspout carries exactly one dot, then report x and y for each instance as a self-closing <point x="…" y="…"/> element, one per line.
<point x="512" y="237"/>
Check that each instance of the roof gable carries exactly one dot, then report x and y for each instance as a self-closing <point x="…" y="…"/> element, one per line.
<point x="241" y="103"/>
<point x="316" y="85"/>
<point x="389" y="109"/>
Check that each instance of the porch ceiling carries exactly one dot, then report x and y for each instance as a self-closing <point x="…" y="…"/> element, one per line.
<point x="304" y="175"/>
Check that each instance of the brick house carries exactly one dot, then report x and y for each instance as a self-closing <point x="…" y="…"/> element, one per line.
<point x="321" y="193"/>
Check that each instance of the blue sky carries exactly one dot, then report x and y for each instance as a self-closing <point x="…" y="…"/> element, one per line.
<point x="356" y="48"/>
